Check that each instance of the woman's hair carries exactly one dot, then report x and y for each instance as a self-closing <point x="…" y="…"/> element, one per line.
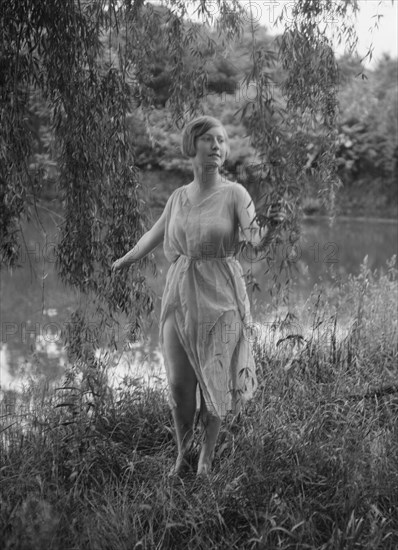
<point x="197" y="128"/>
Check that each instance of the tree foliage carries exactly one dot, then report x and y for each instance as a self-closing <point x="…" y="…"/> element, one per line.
<point x="96" y="63"/>
<point x="368" y="137"/>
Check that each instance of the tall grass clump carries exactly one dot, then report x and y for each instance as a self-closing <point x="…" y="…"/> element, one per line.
<point x="312" y="463"/>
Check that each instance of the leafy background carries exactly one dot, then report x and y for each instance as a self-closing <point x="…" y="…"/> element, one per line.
<point x="92" y="101"/>
<point x="367" y="122"/>
<point x="94" y="98"/>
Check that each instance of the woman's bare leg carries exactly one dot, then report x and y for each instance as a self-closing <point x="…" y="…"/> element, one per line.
<point x="212" y="425"/>
<point x="182" y="381"/>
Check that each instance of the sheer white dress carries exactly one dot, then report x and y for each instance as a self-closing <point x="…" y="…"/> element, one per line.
<point x="205" y="291"/>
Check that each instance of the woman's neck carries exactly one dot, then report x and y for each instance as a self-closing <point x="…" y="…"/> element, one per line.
<point x="206" y="177"/>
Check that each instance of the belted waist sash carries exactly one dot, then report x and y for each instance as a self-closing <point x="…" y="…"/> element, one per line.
<point x="204" y="258"/>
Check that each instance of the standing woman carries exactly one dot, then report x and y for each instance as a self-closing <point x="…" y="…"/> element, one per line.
<point x="205" y="307"/>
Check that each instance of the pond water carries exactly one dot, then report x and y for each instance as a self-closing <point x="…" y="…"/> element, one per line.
<point x="35" y="306"/>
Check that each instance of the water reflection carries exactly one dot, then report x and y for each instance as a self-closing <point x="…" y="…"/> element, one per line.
<point x="139" y="366"/>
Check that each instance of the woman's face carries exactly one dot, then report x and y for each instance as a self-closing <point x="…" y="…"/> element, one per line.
<point x="211" y="148"/>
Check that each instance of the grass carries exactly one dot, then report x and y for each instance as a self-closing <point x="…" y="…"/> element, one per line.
<point x="312" y="464"/>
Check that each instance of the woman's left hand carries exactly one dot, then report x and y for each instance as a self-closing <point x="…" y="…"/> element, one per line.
<point x="276" y="214"/>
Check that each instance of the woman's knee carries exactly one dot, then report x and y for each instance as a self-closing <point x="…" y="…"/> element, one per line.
<point x="180" y="390"/>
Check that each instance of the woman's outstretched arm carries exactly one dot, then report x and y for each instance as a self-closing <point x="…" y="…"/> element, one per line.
<point x="148" y="242"/>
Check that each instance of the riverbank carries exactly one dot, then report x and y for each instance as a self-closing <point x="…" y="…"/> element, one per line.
<point x="368" y="198"/>
<point x="313" y="462"/>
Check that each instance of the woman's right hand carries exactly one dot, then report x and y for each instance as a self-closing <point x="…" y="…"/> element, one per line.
<point x="117" y="265"/>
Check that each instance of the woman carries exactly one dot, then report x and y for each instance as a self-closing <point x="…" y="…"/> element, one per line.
<point x="205" y="307"/>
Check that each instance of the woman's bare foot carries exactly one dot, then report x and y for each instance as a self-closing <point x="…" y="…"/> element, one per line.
<point x="212" y="428"/>
<point x="204" y="469"/>
<point x="181" y="467"/>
